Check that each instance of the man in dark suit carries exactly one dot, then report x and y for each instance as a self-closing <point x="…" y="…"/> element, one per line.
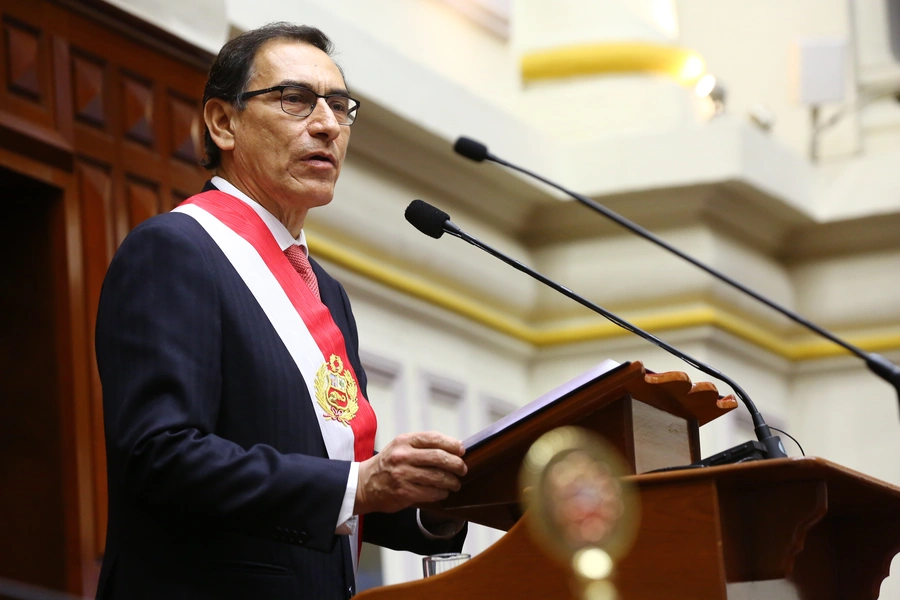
<point x="239" y="435"/>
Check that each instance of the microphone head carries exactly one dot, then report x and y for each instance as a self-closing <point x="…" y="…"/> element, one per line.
<point x="426" y="218"/>
<point x="471" y="149"/>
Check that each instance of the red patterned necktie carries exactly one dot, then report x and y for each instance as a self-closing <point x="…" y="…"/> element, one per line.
<point x="300" y="262"/>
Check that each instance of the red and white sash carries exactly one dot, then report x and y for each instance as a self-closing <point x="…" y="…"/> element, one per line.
<point x="303" y="323"/>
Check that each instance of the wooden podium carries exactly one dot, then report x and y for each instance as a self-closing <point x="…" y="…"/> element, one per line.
<point x="800" y="528"/>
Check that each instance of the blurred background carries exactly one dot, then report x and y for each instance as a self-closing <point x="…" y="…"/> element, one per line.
<point x="762" y="138"/>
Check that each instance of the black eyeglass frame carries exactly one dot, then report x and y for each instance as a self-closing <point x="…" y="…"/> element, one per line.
<point x="351" y="114"/>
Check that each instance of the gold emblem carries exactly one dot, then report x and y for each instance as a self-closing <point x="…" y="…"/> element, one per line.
<point x="336" y="391"/>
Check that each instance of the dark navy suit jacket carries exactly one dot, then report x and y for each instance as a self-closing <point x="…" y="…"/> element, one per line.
<point x="219" y="481"/>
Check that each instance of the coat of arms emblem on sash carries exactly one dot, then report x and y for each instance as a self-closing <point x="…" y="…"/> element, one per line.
<point x="336" y="391"/>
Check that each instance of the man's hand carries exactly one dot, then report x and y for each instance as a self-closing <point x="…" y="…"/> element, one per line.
<point x="413" y="468"/>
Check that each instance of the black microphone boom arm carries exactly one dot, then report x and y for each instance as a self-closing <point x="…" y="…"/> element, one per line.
<point x="878" y="364"/>
<point x="426" y="219"/>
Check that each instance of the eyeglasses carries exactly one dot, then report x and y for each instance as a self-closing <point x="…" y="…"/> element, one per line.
<point x="301" y="102"/>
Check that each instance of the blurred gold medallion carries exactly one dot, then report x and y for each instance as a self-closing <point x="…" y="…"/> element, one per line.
<point x="336" y="391"/>
<point x="578" y="507"/>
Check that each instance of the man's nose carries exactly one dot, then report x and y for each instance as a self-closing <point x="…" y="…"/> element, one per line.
<point x="322" y="122"/>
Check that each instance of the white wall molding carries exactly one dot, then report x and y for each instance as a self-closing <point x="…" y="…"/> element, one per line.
<point x="388" y="374"/>
<point x="203" y="23"/>
<point x="445" y="405"/>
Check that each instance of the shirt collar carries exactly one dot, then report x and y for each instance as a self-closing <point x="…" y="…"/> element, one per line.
<point x="279" y="231"/>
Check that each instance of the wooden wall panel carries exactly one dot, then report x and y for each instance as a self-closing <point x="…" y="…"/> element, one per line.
<point x="142" y="200"/>
<point x="113" y="105"/>
<point x="88" y="89"/>
<point x="22" y="55"/>
<point x="185" y="129"/>
<point x="26" y="70"/>
<point x="95" y="190"/>
<point x="94" y="108"/>
<point x="29" y="121"/>
<point x="137" y="109"/>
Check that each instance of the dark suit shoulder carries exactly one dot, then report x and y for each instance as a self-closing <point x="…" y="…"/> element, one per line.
<point x="173" y="224"/>
<point x="171" y="236"/>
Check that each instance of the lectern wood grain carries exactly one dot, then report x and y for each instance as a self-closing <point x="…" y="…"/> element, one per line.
<point x="827" y="531"/>
<point x="607" y="406"/>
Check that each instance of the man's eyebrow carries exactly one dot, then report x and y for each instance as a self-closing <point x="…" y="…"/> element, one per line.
<point x="339" y="91"/>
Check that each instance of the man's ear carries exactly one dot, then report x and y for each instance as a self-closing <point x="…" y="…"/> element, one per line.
<point x="219" y="117"/>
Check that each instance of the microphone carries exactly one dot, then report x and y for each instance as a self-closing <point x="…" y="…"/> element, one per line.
<point x="473" y="150"/>
<point x="434" y="222"/>
<point x="429" y="219"/>
<point x="878" y="364"/>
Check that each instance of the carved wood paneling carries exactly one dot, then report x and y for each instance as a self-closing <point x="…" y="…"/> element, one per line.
<point x="88" y="83"/>
<point x="112" y="106"/>
<point x="137" y="110"/>
<point x="185" y="179"/>
<point x="27" y="98"/>
<point x="21" y="48"/>
<point x="95" y="188"/>
<point x="142" y="201"/>
<point x="185" y="128"/>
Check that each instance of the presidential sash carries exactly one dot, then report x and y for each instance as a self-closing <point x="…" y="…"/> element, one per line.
<point x="303" y="323"/>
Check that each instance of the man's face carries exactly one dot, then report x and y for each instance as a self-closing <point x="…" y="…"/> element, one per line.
<point x="292" y="161"/>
